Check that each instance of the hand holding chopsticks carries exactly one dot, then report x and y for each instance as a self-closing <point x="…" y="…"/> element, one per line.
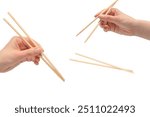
<point x="106" y="11"/>
<point x="43" y="57"/>
<point x="94" y="61"/>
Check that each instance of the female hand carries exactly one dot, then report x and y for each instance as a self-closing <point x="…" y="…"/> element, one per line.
<point x="117" y="22"/>
<point x="16" y="52"/>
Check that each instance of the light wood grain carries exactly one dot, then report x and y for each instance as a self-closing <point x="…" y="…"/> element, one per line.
<point x="99" y="63"/>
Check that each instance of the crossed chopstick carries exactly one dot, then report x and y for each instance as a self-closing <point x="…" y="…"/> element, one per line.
<point x="43" y="56"/>
<point x="106" y="11"/>
<point x="99" y="63"/>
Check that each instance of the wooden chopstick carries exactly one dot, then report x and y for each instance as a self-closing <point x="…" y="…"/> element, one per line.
<point x="47" y="61"/>
<point x="100" y="63"/>
<point x="91" y="33"/>
<point x="107" y="11"/>
<point x="17" y="33"/>
<point x="86" y="26"/>
<point x="43" y="57"/>
<point x="96" y="26"/>
<point x="81" y="61"/>
<point x="28" y="36"/>
<point x="53" y="67"/>
<point x="96" y="18"/>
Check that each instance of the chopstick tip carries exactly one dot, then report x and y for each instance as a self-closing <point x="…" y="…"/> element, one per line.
<point x="85" y="40"/>
<point x="4" y="19"/>
<point x="131" y="71"/>
<point x="77" y="34"/>
<point x="8" y="13"/>
<point x="63" y="80"/>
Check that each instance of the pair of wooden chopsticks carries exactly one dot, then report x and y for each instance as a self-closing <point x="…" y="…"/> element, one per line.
<point x="43" y="57"/>
<point x="99" y="63"/>
<point x="106" y="11"/>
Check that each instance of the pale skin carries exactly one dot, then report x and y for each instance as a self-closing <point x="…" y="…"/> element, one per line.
<point x="120" y="23"/>
<point x="17" y="51"/>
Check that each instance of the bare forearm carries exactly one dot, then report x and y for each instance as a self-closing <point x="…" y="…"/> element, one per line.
<point x="1" y="65"/>
<point x="142" y="29"/>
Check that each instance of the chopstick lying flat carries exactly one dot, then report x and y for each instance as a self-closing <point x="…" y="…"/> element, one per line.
<point x="99" y="63"/>
<point x="43" y="57"/>
<point x="107" y="11"/>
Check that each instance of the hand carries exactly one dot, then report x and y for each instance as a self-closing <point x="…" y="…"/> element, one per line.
<point x="117" y="22"/>
<point x="16" y="52"/>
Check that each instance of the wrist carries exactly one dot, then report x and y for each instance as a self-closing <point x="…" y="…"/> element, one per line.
<point x="136" y="26"/>
<point x="142" y="29"/>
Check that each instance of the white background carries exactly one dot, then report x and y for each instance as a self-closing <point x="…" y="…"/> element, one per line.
<point x="54" y="25"/>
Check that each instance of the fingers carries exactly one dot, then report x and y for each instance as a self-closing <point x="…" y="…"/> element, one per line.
<point x="37" y="44"/>
<point x="36" y="60"/>
<point x="23" y="45"/>
<point x="32" y="54"/>
<point x="106" y="27"/>
<point x="108" y="15"/>
<point x="108" y="18"/>
<point x="108" y="22"/>
<point x="27" y="53"/>
<point x="30" y="41"/>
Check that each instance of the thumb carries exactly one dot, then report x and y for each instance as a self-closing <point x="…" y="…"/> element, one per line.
<point x="30" y="52"/>
<point x="109" y="18"/>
